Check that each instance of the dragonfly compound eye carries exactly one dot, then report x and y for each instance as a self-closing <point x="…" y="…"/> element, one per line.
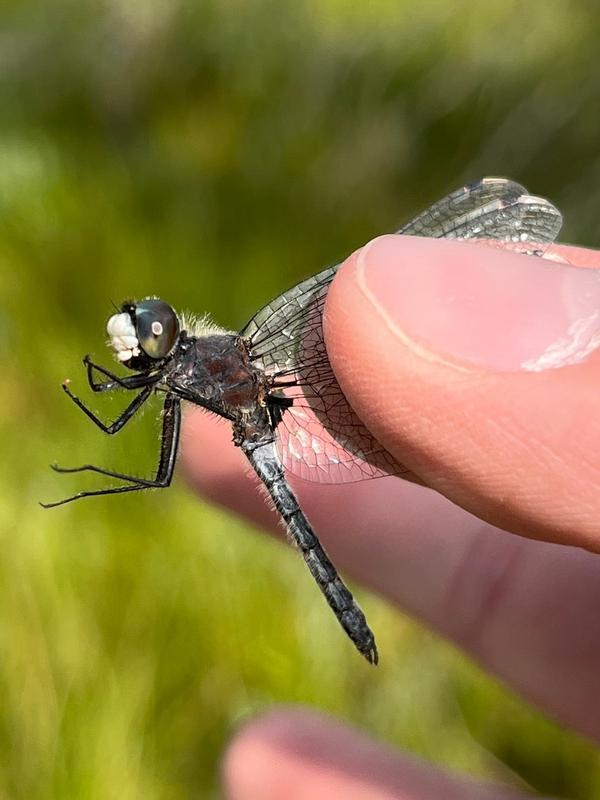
<point x="156" y="326"/>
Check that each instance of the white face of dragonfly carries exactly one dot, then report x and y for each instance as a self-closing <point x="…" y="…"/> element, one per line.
<point x="123" y="338"/>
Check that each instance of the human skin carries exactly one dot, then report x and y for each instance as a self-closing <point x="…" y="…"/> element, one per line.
<point x="477" y="370"/>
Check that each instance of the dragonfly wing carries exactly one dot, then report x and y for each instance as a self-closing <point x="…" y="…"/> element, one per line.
<point x="275" y="333"/>
<point x="327" y="452"/>
<point x="320" y="437"/>
<point x="495" y="211"/>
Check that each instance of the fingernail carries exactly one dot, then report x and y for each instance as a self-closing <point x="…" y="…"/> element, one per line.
<point x="479" y="306"/>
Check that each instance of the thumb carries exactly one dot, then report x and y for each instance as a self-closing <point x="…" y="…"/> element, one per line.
<point x="479" y="370"/>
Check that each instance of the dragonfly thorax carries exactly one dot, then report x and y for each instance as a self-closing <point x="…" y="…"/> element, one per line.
<point x="214" y="371"/>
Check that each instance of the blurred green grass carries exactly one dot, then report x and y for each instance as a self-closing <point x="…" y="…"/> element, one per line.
<point x="214" y="153"/>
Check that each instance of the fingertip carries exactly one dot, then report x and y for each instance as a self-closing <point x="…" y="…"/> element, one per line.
<point x="295" y="754"/>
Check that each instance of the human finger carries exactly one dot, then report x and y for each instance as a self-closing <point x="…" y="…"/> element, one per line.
<point x="526" y="610"/>
<point x="478" y="369"/>
<point x="294" y="754"/>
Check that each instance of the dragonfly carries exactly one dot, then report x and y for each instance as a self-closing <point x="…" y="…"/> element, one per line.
<point x="274" y="383"/>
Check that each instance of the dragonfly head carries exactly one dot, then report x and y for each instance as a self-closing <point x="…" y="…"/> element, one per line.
<point x="143" y="332"/>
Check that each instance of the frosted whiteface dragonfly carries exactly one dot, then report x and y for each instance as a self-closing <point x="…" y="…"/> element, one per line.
<point x="274" y="383"/>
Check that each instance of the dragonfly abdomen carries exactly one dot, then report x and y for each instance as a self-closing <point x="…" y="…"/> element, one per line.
<point x="265" y="461"/>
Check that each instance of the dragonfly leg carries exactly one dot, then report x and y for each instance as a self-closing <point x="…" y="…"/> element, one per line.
<point x="166" y="466"/>
<point x="121" y="420"/>
<point x="114" y="382"/>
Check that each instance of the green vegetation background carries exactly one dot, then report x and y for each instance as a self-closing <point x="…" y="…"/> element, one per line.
<point x="214" y="153"/>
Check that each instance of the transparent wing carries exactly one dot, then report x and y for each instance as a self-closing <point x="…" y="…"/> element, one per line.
<point x="491" y="209"/>
<point x="275" y="333"/>
<point x="320" y="437"/>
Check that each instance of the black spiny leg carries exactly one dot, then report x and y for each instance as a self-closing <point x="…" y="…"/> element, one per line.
<point x="166" y="465"/>
<point x="114" y="382"/>
<point x="121" y="420"/>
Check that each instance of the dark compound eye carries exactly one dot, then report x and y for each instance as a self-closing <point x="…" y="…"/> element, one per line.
<point x="156" y="326"/>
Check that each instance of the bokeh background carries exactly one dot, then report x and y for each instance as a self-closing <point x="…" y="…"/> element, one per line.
<point x="214" y="153"/>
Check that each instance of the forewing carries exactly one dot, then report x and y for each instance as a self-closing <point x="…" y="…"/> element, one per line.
<point x="320" y="437"/>
<point x="275" y="333"/>
<point x="495" y="211"/>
